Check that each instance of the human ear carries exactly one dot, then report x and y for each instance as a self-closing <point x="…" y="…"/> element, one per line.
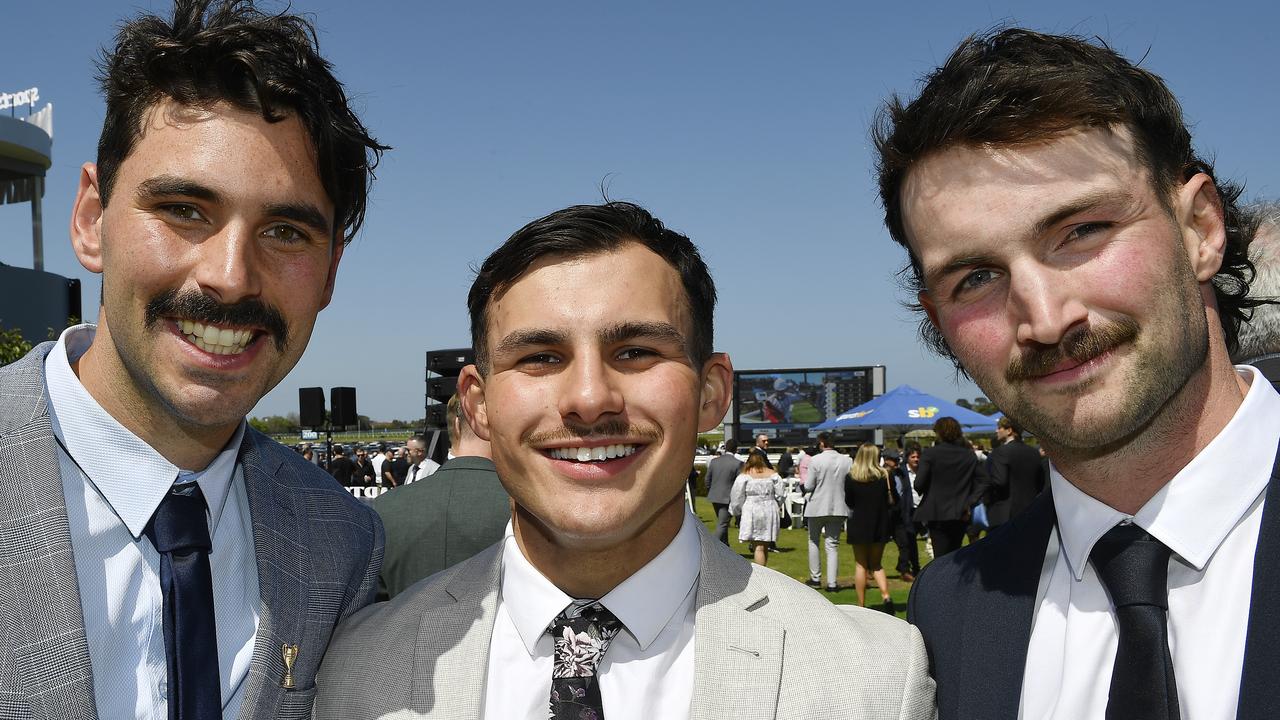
<point x="86" y="220"/>
<point x="1198" y="212"/>
<point x="717" y="385"/>
<point x="471" y="395"/>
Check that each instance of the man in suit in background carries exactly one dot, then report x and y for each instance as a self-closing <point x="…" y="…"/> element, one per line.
<point x="1015" y="475"/>
<point x="949" y="481"/>
<point x="761" y="448"/>
<point x="1075" y="256"/>
<point x="160" y="559"/>
<point x="904" y="529"/>
<point x="420" y="466"/>
<point x="446" y="518"/>
<point x="825" y="510"/>
<point x="594" y="374"/>
<point x="1260" y="337"/>
<point x="721" y="472"/>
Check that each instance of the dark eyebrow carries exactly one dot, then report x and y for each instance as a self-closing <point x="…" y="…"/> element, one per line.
<point x="1076" y="205"/>
<point x="521" y="339"/>
<point x="171" y="185"/>
<point x="661" y="332"/>
<point x="302" y="213"/>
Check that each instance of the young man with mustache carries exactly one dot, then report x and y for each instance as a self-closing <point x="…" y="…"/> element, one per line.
<point x="159" y="558"/>
<point x="594" y="375"/>
<point x="1077" y="258"/>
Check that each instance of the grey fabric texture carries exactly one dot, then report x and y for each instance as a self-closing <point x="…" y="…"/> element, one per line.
<point x="826" y="479"/>
<point x="766" y="647"/>
<point x="439" y="521"/>
<point x="721" y="472"/>
<point x="318" y="554"/>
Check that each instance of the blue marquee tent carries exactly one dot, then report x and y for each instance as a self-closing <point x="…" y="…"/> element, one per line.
<point x="905" y="406"/>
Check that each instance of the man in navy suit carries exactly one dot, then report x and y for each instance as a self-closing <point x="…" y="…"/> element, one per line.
<point x="1079" y="261"/>
<point x="1015" y="475"/>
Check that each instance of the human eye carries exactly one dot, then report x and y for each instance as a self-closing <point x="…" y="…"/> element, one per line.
<point x="285" y="233"/>
<point x="185" y="212"/>
<point x="538" y="360"/>
<point x="1085" y="230"/>
<point x="975" y="280"/>
<point x="636" y="353"/>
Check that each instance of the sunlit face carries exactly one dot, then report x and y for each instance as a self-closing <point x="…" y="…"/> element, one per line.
<point x="216" y="252"/>
<point x="913" y="460"/>
<point x="417" y="452"/>
<point x="591" y="403"/>
<point x="1061" y="282"/>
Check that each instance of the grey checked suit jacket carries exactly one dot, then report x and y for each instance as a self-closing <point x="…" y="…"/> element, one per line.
<point x="765" y="647"/>
<point x="318" y="553"/>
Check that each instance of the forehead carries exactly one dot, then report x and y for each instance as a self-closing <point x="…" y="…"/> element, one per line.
<point x="233" y="151"/>
<point x="972" y="195"/>
<point x="579" y="294"/>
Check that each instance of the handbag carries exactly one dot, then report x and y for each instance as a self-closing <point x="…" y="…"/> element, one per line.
<point x="784" y="517"/>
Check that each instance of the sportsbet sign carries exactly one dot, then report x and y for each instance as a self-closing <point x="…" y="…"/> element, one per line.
<point x="20" y="98"/>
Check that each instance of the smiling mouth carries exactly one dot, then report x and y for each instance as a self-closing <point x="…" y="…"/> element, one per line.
<point x="215" y="339"/>
<point x="592" y="454"/>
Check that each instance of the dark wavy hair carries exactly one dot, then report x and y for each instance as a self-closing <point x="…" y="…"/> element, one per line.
<point x="229" y="51"/>
<point x="1013" y="86"/>
<point x="587" y="230"/>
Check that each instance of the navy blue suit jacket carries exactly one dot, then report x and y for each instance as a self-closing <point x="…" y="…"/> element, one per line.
<point x="975" y="607"/>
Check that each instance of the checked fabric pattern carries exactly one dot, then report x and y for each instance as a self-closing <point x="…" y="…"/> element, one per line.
<point x="582" y="633"/>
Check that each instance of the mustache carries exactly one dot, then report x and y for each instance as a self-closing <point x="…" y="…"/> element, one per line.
<point x="606" y="428"/>
<point x="1080" y="345"/>
<point x="196" y="306"/>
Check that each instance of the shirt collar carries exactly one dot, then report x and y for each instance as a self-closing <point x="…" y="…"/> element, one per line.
<point x="1196" y="510"/>
<point x="129" y="474"/>
<point x="644" y="602"/>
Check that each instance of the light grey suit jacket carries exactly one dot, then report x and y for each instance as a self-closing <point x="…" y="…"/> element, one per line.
<point x="765" y="647"/>
<point x="826" y="481"/>
<point x="318" y="554"/>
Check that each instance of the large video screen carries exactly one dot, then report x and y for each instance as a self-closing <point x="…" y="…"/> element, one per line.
<point x="784" y="404"/>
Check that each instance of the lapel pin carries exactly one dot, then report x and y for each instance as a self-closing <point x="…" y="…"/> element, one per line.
<point x="289" y="653"/>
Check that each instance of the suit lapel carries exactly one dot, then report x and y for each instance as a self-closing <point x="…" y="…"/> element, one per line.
<point x="284" y="569"/>
<point x="737" y="654"/>
<point x="1259" y="691"/>
<point x="999" y="609"/>
<point x="49" y="651"/>
<point x="452" y="653"/>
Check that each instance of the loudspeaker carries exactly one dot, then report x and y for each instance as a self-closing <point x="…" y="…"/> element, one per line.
<point x="311" y="407"/>
<point x="343" y="402"/>
<point x="442" y="388"/>
<point x="449" y="362"/>
<point x="435" y="416"/>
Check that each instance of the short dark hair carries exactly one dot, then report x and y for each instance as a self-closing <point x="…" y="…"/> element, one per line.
<point x="948" y="429"/>
<point x="730" y="445"/>
<point x="1007" y="424"/>
<point x="824" y="439"/>
<point x="228" y="51"/>
<point x="588" y="230"/>
<point x="1014" y="86"/>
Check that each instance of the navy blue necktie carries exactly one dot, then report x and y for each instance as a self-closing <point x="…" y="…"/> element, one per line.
<point x="180" y="533"/>
<point x="1134" y="568"/>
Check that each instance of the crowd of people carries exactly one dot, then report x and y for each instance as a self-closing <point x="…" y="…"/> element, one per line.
<point x="1072" y="254"/>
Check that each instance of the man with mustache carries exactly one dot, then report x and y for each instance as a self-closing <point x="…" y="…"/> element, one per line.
<point x="594" y="375"/>
<point x="1077" y="258"/>
<point x="158" y="558"/>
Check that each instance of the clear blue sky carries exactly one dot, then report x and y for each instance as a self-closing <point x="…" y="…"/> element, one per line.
<point x="742" y="124"/>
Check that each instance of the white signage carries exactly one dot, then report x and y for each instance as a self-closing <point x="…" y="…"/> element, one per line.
<point x="20" y="98"/>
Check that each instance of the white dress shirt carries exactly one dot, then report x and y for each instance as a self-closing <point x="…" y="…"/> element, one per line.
<point x="421" y="470"/>
<point x="111" y="496"/>
<point x="647" y="671"/>
<point x="1209" y="515"/>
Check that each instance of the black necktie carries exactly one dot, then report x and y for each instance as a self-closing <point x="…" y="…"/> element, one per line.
<point x="582" y="633"/>
<point x="180" y="533"/>
<point x="1134" y="568"/>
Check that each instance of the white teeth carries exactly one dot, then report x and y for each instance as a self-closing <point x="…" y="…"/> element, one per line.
<point x="198" y="329"/>
<point x="187" y="326"/>
<point x="593" y="454"/>
<point x="215" y="340"/>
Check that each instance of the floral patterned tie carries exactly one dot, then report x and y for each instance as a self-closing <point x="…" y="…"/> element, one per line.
<point x="582" y="633"/>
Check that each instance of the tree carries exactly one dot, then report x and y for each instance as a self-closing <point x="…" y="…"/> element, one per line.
<point x="12" y="346"/>
<point x="964" y="404"/>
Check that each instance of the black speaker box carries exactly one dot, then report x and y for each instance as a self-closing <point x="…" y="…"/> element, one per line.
<point x="343" y="402"/>
<point x="449" y="362"/>
<point x="311" y="407"/>
<point x="435" y="416"/>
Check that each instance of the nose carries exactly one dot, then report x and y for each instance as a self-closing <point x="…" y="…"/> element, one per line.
<point x="225" y="267"/>
<point x="1044" y="303"/>
<point x="590" y="390"/>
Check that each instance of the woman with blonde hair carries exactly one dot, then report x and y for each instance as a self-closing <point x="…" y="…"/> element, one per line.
<point x="754" y="497"/>
<point x="869" y="495"/>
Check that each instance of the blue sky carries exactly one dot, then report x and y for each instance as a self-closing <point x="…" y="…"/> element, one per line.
<point x="742" y="124"/>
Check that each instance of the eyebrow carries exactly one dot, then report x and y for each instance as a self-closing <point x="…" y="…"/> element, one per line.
<point x="1074" y="206"/>
<point x="662" y="332"/>
<point x="162" y="186"/>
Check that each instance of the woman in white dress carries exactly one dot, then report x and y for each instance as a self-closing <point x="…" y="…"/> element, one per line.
<point x="754" y="499"/>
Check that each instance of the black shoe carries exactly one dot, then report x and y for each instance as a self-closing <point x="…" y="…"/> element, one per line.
<point x="888" y="606"/>
<point x="813" y="583"/>
<point x="832" y="588"/>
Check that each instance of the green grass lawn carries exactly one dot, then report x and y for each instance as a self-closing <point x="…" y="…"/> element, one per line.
<point x="792" y="558"/>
